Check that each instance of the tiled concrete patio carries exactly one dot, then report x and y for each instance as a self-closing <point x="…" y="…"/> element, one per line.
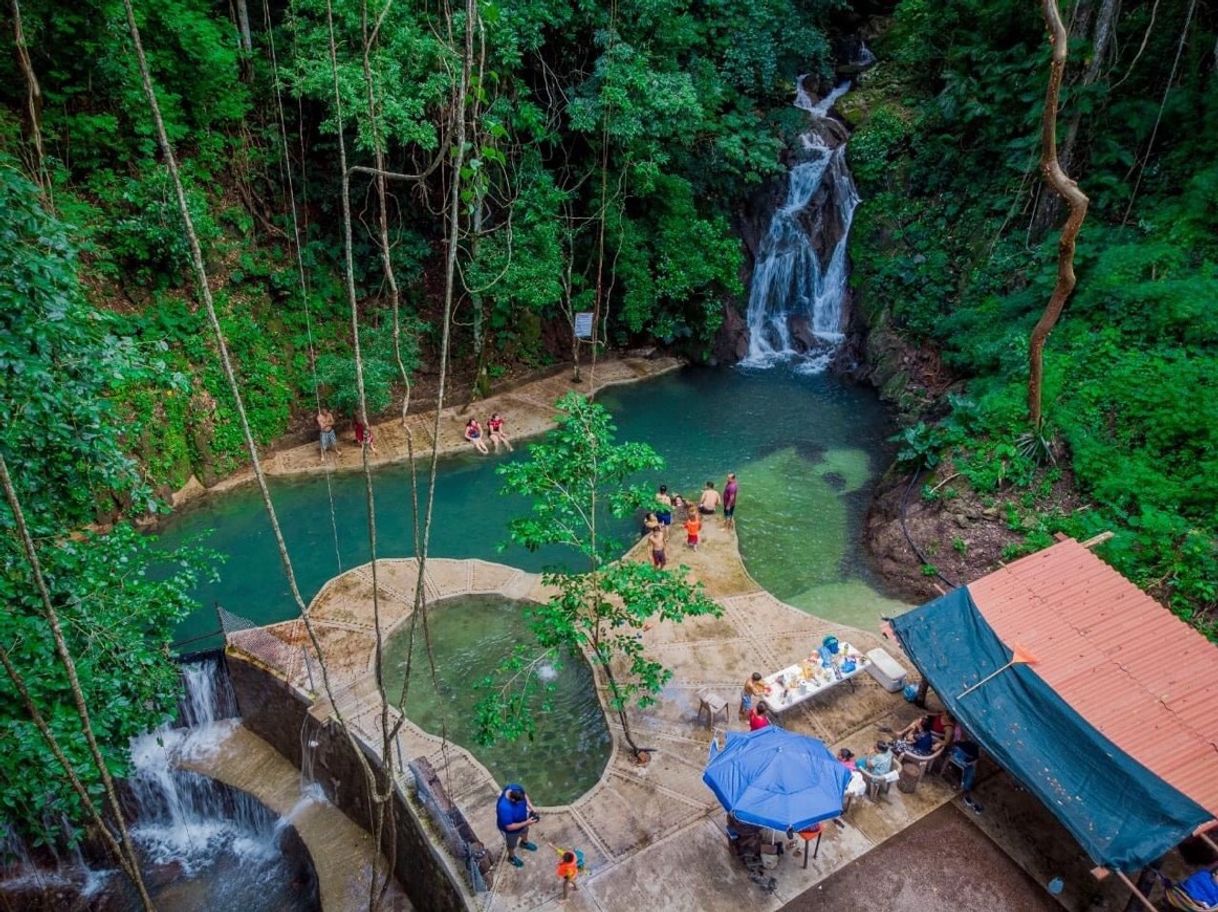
<point x="653" y="836"/>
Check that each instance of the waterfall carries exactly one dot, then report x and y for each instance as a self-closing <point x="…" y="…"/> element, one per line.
<point x="797" y="295"/>
<point x="184" y="818"/>
<point x="203" y="846"/>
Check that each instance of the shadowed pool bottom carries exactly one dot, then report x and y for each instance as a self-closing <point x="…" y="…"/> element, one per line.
<point x="470" y="636"/>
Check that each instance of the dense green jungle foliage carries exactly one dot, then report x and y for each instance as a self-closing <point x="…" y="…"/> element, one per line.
<point x="116" y="596"/>
<point x="955" y="248"/>
<point x="604" y="140"/>
<point x="606" y="145"/>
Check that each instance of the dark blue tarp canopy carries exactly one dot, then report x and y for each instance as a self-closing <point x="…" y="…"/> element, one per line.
<point x="1120" y="812"/>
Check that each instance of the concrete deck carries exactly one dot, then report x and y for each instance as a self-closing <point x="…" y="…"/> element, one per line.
<point x="941" y="865"/>
<point x="528" y="410"/>
<point x="653" y="836"/>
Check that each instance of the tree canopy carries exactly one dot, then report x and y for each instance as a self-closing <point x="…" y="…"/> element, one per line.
<point x="955" y="249"/>
<point x="117" y="596"/>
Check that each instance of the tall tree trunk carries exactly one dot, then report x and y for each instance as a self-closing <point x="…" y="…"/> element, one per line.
<point x="33" y="105"/>
<point x="395" y="294"/>
<point x="481" y="382"/>
<point x="209" y="306"/>
<point x="1076" y="200"/>
<point x="243" y="26"/>
<point x="1101" y="37"/>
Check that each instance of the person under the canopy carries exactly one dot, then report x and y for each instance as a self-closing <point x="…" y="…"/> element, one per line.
<point x="879" y="763"/>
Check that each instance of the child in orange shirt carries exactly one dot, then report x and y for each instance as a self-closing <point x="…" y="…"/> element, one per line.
<point x="570" y="863"/>
<point x="693" y="526"/>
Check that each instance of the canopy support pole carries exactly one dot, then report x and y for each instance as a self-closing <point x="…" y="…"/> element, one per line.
<point x="1136" y="892"/>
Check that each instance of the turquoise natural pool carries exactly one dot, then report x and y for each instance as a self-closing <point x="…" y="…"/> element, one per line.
<point x="806" y="449"/>
<point x="470" y="635"/>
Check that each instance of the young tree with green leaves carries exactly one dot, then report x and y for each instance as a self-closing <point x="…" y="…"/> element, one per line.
<point x="577" y="478"/>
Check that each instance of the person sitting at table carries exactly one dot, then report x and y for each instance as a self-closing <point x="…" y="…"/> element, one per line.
<point x="937" y="725"/>
<point x="759" y="717"/>
<point x="922" y="744"/>
<point x="879" y="763"/>
<point x="856" y="787"/>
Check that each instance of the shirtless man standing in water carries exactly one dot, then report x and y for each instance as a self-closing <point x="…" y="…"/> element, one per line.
<point x="325" y="428"/>
<point x="709" y="501"/>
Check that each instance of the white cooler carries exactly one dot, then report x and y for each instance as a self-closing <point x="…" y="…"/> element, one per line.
<point x="885" y="669"/>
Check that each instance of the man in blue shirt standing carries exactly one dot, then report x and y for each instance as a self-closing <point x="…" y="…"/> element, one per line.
<point x="514" y="814"/>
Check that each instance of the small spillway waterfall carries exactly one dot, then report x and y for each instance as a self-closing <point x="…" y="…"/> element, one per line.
<point x="202" y="845"/>
<point x="797" y="297"/>
<point x="198" y="827"/>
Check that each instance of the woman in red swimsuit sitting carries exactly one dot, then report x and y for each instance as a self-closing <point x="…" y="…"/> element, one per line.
<point x="495" y="426"/>
<point x="363" y="435"/>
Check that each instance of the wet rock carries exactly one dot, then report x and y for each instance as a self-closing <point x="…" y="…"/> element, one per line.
<point x="188" y="492"/>
<point x="732" y="341"/>
<point x="802" y="337"/>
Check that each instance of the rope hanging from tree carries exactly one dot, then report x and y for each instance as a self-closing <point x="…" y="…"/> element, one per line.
<point x="205" y="294"/>
<point x="300" y="269"/>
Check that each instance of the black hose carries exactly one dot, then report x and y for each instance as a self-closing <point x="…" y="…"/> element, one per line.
<point x="905" y="531"/>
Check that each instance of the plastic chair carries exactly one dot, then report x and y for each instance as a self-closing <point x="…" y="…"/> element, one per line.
<point x="1178" y="897"/>
<point x="879" y="785"/>
<point x="924" y="762"/>
<point x="712" y="704"/>
<point x="963" y="764"/>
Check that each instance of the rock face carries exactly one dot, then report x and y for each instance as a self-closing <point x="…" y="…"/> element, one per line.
<point x="732" y="341"/>
<point x="192" y="490"/>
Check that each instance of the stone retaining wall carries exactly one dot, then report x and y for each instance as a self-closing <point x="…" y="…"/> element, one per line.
<point x="279" y="714"/>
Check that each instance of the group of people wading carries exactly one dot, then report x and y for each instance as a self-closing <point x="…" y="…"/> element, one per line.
<point x="659" y="521"/>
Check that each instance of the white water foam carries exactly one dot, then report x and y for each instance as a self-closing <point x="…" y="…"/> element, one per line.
<point x="185" y="818"/>
<point x="790" y="281"/>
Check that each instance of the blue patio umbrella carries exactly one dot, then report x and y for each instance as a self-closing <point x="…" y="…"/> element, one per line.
<point x="776" y="778"/>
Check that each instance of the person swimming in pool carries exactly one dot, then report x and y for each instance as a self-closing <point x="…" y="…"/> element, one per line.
<point x="664" y="514"/>
<point x="473" y="433"/>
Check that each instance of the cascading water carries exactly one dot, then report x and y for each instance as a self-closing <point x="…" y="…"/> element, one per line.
<point x="203" y="845"/>
<point x="798" y="293"/>
<point x="226" y="845"/>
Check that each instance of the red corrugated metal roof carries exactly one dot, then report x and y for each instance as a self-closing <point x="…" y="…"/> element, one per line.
<point x="1126" y="664"/>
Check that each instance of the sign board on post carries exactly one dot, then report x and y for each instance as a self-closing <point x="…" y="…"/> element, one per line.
<point x="583" y="325"/>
